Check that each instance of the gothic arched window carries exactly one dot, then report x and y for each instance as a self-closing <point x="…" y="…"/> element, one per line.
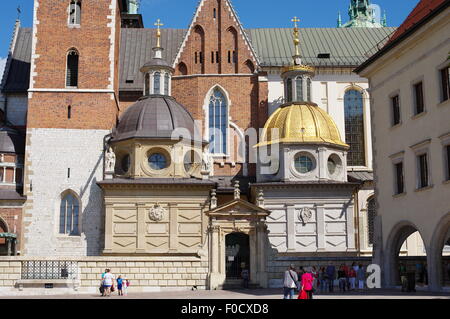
<point x="68" y="215"/>
<point x="218" y="122"/>
<point x="75" y="12"/>
<point x="157" y="83"/>
<point x="72" y="68"/>
<point x="371" y="213"/>
<point x="354" y="128"/>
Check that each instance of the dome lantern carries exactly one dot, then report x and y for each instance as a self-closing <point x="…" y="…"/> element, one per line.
<point x="157" y="72"/>
<point x="297" y="77"/>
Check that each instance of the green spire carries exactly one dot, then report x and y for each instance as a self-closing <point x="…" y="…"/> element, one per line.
<point x="361" y="15"/>
<point x="339" y="21"/>
<point x="384" y="20"/>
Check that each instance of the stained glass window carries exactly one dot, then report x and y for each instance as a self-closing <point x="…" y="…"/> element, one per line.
<point x="354" y="128"/>
<point x="304" y="164"/>
<point x="157" y="161"/>
<point x="68" y="223"/>
<point x="218" y="122"/>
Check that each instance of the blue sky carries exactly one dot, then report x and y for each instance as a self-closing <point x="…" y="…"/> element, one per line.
<point x="252" y="13"/>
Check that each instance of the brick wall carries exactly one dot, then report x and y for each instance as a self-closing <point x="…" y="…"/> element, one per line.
<point x="211" y="34"/>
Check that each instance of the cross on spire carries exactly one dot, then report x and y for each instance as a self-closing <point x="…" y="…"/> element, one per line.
<point x="158" y="24"/>
<point x="295" y="20"/>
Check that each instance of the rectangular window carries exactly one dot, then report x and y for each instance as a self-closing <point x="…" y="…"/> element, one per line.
<point x="399" y="178"/>
<point x="229" y="56"/>
<point x="234" y="57"/>
<point x="201" y="57"/>
<point x="196" y="57"/>
<point x="423" y="171"/>
<point x="212" y="56"/>
<point x="448" y="162"/>
<point x="418" y="95"/>
<point x="445" y="83"/>
<point x="395" y="110"/>
<point x="74" y="12"/>
<point x="217" y="57"/>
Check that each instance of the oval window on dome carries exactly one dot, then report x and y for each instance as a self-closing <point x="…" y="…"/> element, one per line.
<point x="157" y="161"/>
<point x="331" y="166"/>
<point x="304" y="164"/>
<point x="126" y="163"/>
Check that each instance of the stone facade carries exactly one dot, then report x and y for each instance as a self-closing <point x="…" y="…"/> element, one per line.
<point x="51" y="153"/>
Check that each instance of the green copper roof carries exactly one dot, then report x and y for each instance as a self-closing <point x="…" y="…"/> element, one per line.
<point x="362" y="14"/>
<point x="346" y="46"/>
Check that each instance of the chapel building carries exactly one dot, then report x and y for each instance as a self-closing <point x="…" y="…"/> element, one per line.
<point x="180" y="157"/>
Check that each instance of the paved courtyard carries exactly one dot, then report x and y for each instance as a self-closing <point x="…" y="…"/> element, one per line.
<point x="247" y="294"/>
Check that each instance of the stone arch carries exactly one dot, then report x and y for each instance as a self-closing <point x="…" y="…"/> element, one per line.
<point x="397" y="236"/>
<point x="207" y="107"/>
<point x="78" y="204"/>
<point x="441" y="235"/>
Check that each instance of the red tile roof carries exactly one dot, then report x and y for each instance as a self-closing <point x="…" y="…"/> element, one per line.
<point x="420" y="12"/>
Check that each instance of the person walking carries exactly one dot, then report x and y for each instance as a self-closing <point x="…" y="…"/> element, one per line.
<point x="290" y="282"/>
<point x="342" y="277"/>
<point x="403" y="277"/>
<point x="361" y="276"/>
<point x="315" y="275"/>
<point x="352" y="278"/>
<point x="307" y="283"/>
<point x="323" y="280"/>
<point x="331" y="273"/>
<point x="108" y="282"/>
<point x="245" y="275"/>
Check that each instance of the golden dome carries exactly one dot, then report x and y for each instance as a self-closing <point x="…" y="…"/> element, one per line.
<point x="301" y="123"/>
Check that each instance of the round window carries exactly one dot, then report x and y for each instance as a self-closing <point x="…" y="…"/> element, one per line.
<point x="125" y="164"/>
<point x="304" y="164"/>
<point x="331" y="166"/>
<point x="157" y="161"/>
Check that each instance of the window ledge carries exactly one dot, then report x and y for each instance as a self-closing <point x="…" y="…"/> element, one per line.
<point x="399" y="195"/>
<point x="444" y="103"/>
<point x="74" y="26"/>
<point x="393" y="127"/>
<point x="414" y="117"/>
<point x="424" y="188"/>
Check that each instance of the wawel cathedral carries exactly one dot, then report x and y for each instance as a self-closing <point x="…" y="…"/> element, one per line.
<point x="180" y="157"/>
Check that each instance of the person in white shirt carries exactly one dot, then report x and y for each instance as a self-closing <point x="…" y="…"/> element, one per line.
<point x="108" y="281"/>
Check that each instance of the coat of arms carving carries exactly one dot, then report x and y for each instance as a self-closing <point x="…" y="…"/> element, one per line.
<point x="305" y="215"/>
<point x="156" y="213"/>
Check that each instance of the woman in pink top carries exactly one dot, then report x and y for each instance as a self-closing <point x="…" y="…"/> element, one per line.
<point x="307" y="283"/>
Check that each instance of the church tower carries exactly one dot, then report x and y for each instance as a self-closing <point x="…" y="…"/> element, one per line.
<point x="73" y="105"/>
<point x="362" y="14"/>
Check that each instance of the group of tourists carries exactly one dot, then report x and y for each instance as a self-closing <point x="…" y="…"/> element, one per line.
<point x="310" y="280"/>
<point x="109" y="283"/>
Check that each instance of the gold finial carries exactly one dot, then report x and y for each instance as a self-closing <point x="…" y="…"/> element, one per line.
<point x="296" y="36"/>
<point x="158" y="34"/>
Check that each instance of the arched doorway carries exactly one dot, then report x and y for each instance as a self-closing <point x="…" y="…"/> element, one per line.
<point x="407" y="257"/>
<point x="237" y="254"/>
<point x="440" y="256"/>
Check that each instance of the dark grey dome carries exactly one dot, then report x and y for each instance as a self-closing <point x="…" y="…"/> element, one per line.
<point x="155" y="116"/>
<point x="156" y="62"/>
<point x="11" y="141"/>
